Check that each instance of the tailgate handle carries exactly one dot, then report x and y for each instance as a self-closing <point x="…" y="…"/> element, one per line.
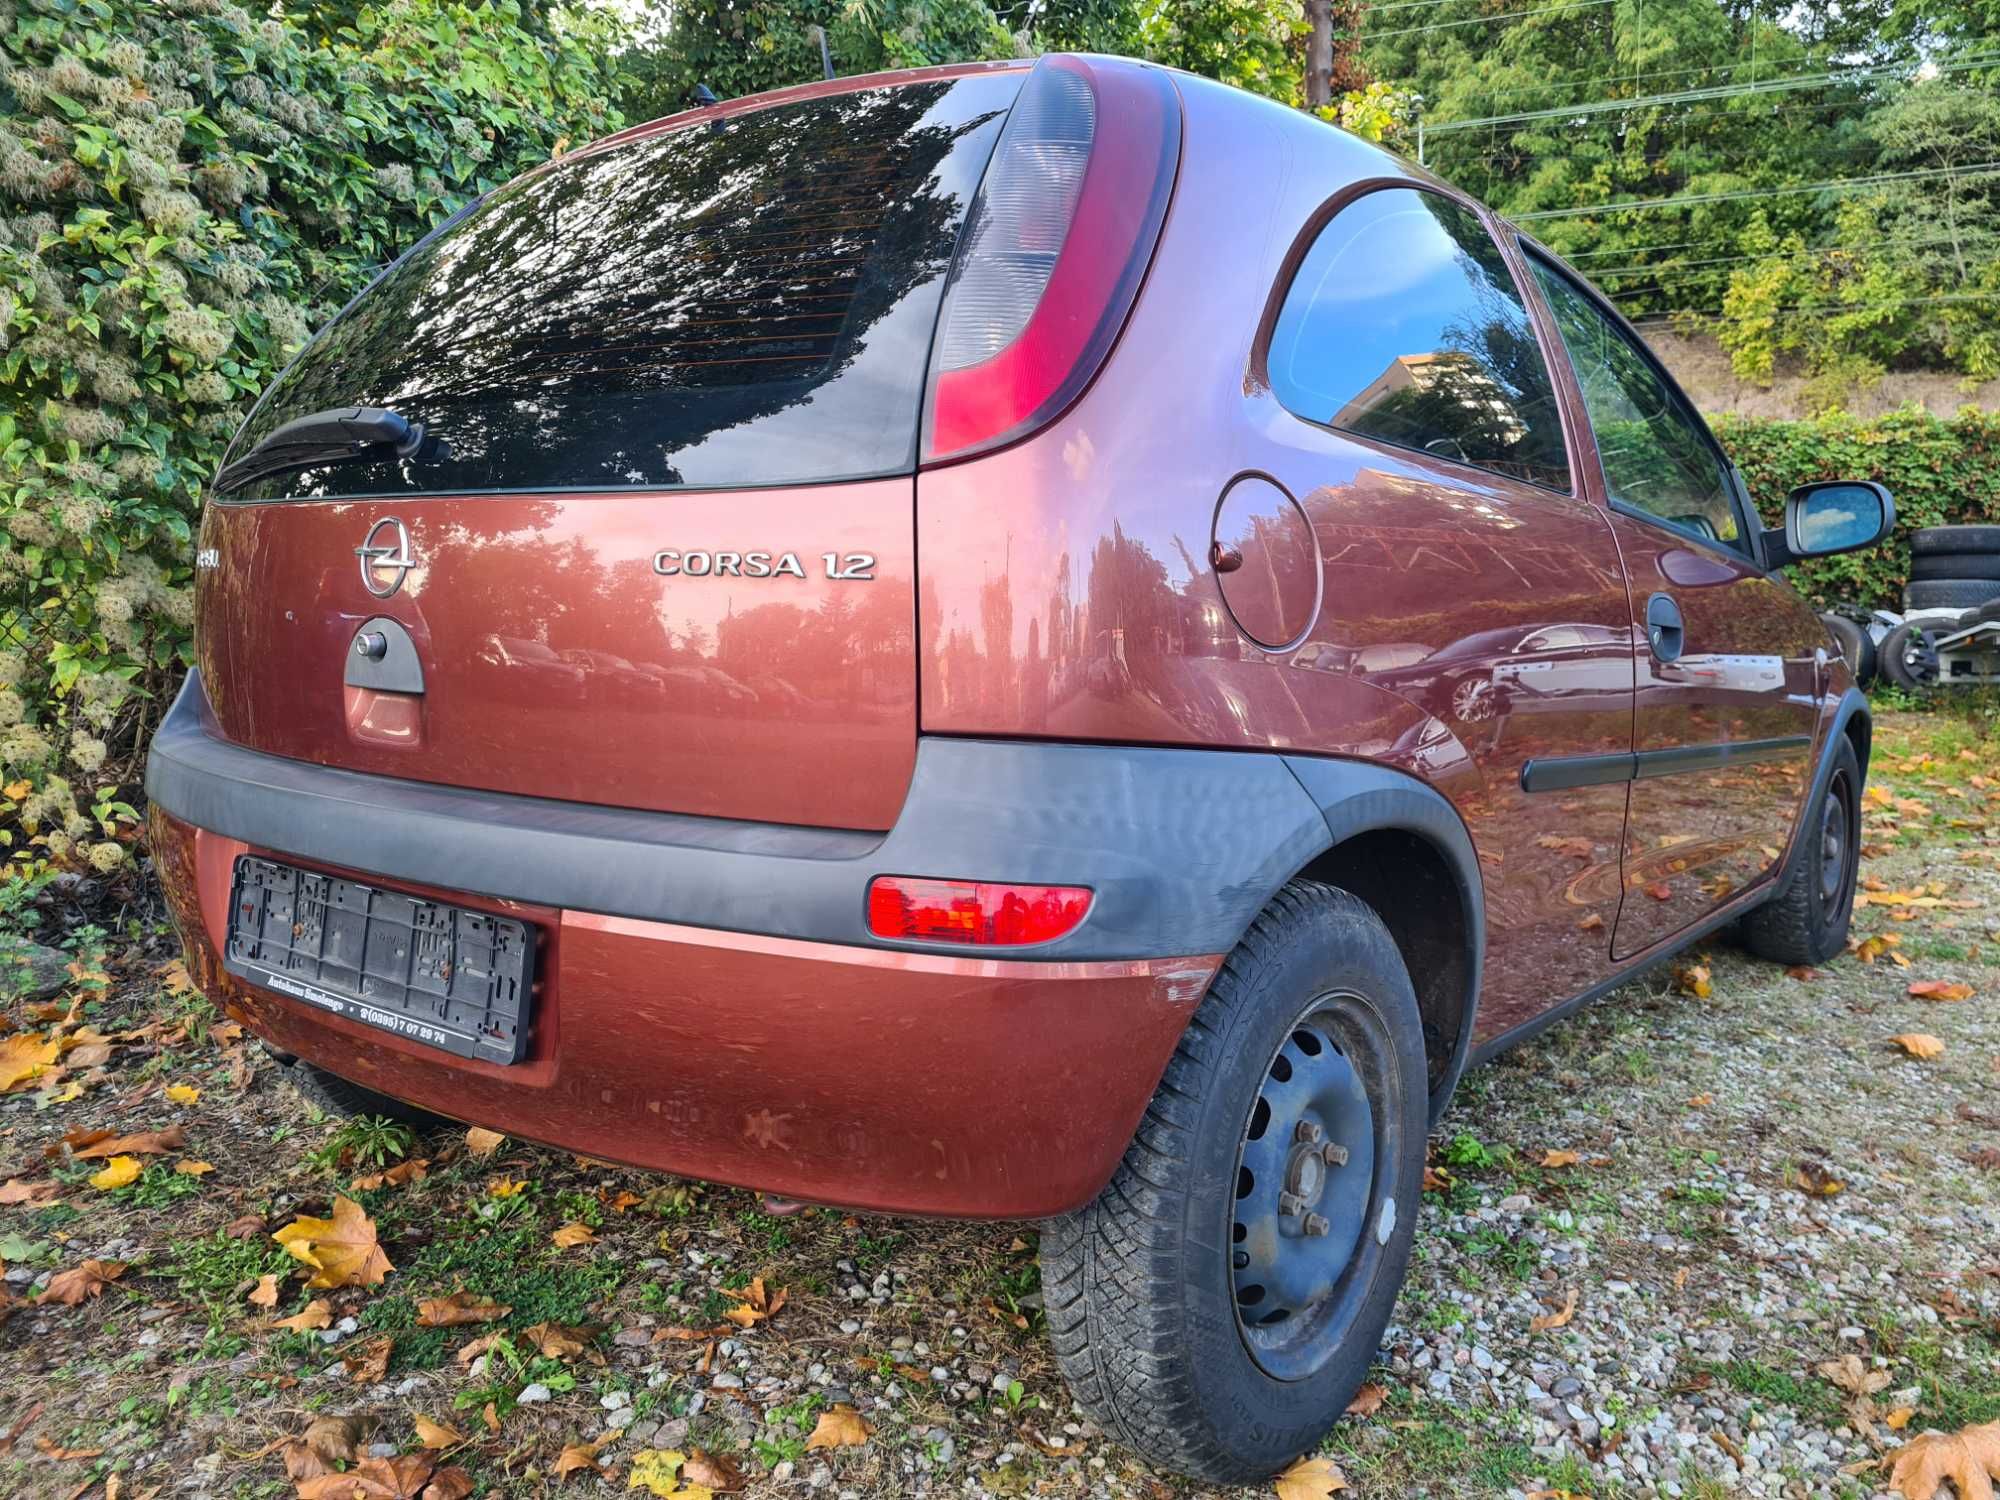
<point x="383" y="657"/>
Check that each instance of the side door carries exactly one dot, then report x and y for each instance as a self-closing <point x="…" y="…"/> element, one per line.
<point x="1464" y="569"/>
<point x="1730" y="662"/>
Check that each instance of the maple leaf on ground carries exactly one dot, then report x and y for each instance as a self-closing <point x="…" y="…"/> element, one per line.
<point x="370" y="1363"/>
<point x="1919" y="1045"/>
<point x="325" y="1444"/>
<point x="147" y="1143"/>
<point x="711" y="1472"/>
<point x="318" y="1313"/>
<point x="1940" y="989"/>
<point x="414" y="1476"/>
<point x="1545" y="1322"/>
<point x="24" y="1056"/>
<point x="561" y="1341"/>
<point x="1310" y="1479"/>
<point x="436" y="1434"/>
<point x="1560" y="1159"/>
<point x="183" y="1093"/>
<point x="572" y="1235"/>
<point x="1818" y="1182"/>
<point x="1367" y="1401"/>
<point x="265" y="1293"/>
<point x="120" y="1171"/>
<point x="80" y="1283"/>
<point x="459" y="1309"/>
<point x="416" y="1169"/>
<point x="188" y="1168"/>
<point x="343" y="1250"/>
<point x="757" y="1305"/>
<point x="580" y="1457"/>
<point x="839" y="1426"/>
<point x="482" y="1142"/>
<point x="1969" y="1458"/>
<point x="658" y="1471"/>
<point x="14" y="1190"/>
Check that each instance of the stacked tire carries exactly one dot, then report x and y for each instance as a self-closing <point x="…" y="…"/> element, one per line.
<point x="1953" y="567"/>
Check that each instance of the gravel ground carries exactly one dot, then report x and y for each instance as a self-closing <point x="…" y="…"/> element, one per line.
<point x="1726" y="1192"/>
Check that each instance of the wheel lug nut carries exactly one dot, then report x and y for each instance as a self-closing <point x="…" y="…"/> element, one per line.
<point x="1290" y="1203"/>
<point x="1307" y="1133"/>
<point x="1316" y="1225"/>
<point x="1333" y="1154"/>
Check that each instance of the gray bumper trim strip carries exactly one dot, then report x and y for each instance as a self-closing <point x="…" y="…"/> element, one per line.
<point x="1182" y="847"/>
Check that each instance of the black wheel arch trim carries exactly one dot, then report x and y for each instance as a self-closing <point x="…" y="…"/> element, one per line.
<point x="1357" y="797"/>
<point x="1853" y="704"/>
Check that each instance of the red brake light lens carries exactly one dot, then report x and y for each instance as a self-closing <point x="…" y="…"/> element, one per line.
<point x="973" y="911"/>
<point x="1053" y="250"/>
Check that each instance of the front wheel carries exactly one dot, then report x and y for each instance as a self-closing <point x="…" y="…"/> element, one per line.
<point x="1806" y="922"/>
<point x="1221" y="1301"/>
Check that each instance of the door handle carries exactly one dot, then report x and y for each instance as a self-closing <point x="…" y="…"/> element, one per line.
<point x="1663" y="628"/>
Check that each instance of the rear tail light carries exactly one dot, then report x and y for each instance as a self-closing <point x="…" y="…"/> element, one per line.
<point x="1053" y="250"/>
<point x="971" y="911"/>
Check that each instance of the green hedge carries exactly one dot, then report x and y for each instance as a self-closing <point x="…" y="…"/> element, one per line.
<point x="186" y="189"/>
<point x="1943" y="471"/>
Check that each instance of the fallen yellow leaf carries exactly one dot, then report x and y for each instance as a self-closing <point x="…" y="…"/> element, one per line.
<point x="574" y="1234"/>
<point x="1969" y="1458"/>
<point x="24" y="1056"/>
<point x="343" y="1250"/>
<point x="120" y="1171"/>
<point x="436" y="1434"/>
<point x="265" y="1293"/>
<point x="1919" y="1045"/>
<point x="1940" y="989"/>
<point x="318" y="1313"/>
<point x="1310" y="1479"/>
<point x="506" y="1187"/>
<point x="193" y="1168"/>
<point x="482" y="1142"/>
<point x="1560" y="1158"/>
<point x="658" y="1471"/>
<point x="182" y="1093"/>
<point x="1695" y="980"/>
<point x="839" y="1426"/>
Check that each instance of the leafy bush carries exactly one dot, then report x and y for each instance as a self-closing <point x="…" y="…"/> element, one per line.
<point x="1943" y="471"/>
<point x="186" y="188"/>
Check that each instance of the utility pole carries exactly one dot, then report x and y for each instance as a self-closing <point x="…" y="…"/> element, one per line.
<point x="1319" y="54"/>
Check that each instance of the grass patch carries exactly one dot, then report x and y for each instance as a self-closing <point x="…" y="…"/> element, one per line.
<point x="1780" y="1387"/>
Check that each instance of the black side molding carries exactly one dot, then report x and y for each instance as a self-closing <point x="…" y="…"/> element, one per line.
<point x="1561" y="772"/>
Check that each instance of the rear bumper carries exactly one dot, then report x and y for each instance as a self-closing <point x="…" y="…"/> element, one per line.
<point x="832" y="1069"/>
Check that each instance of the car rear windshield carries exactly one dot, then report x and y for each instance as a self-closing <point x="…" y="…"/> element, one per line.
<point x="744" y="302"/>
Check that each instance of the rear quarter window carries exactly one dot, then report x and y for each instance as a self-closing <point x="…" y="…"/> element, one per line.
<point x="1404" y="325"/>
<point x="748" y="302"/>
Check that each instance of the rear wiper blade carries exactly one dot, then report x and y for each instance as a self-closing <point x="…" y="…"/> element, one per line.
<point x="339" y="435"/>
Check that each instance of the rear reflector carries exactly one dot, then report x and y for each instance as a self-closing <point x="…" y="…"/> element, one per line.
<point x="1053" y="251"/>
<point x="969" y="911"/>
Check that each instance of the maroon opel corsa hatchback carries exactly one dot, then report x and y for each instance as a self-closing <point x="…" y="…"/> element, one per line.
<point x="1036" y="641"/>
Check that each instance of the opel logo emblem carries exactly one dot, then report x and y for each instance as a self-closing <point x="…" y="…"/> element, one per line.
<point x="385" y="557"/>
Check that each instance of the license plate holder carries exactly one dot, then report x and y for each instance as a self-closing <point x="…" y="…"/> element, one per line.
<point x="447" y="976"/>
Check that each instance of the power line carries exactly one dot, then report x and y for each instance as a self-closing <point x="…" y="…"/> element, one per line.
<point x="1683" y="200"/>
<point x="1825" y="309"/>
<point x="1511" y="15"/>
<point x="1684" y="269"/>
<point x="1690" y="96"/>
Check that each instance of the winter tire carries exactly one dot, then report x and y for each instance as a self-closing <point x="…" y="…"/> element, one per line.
<point x="1943" y="541"/>
<point x="1909" y="658"/>
<point x="1856" y="645"/>
<point x="1806" y="922"/>
<point x="337" y="1096"/>
<point x="1949" y="593"/>
<point x="1219" y="1303"/>
<point x="1957" y="565"/>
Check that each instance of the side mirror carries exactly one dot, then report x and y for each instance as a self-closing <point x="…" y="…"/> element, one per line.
<point x="1838" y="515"/>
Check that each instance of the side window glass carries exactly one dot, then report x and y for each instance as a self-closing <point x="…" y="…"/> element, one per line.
<point x="1657" y="456"/>
<point x="1404" y="325"/>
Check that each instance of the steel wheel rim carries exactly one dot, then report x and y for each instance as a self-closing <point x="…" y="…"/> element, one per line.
<point x="1308" y="1224"/>
<point x="1836" y="844"/>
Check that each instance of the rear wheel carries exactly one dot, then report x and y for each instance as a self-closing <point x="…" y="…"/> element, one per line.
<point x="1221" y="1301"/>
<point x="1806" y="923"/>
